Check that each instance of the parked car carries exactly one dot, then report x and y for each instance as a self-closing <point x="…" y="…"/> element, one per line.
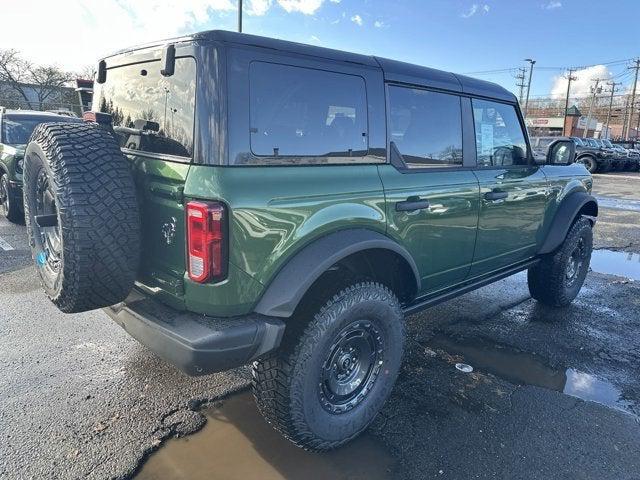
<point x="317" y="198"/>
<point x="15" y="129"/>
<point x="591" y="156"/>
<point x="617" y="162"/>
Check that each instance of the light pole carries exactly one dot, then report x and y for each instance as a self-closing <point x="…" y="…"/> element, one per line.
<point x="240" y="16"/>
<point x="570" y="78"/>
<point x="526" y="103"/>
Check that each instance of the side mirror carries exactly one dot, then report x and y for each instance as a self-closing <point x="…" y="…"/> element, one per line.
<point x="561" y="152"/>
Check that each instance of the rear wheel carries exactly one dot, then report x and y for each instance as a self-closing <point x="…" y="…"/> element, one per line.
<point x="328" y="381"/>
<point x="82" y="215"/>
<point x="9" y="207"/>
<point x="558" y="278"/>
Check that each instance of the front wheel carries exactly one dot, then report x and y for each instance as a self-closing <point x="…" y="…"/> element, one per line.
<point x="589" y="163"/>
<point x="324" y="386"/>
<point x="558" y="278"/>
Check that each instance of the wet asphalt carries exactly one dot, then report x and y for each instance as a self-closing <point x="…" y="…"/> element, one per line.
<point x="80" y="399"/>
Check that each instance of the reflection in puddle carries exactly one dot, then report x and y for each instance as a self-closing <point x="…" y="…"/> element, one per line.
<point x="622" y="264"/>
<point x="618" y="203"/>
<point x="527" y="369"/>
<point x="237" y="443"/>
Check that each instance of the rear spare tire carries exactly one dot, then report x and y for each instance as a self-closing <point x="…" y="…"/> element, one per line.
<point x="82" y="216"/>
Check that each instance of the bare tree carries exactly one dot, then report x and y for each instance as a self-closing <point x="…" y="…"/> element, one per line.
<point x="22" y="76"/>
<point x="47" y="80"/>
<point x="14" y="72"/>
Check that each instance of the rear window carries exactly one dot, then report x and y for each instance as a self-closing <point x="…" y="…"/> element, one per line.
<point x="16" y="129"/>
<point x="151" y="113"/>
<point x="302" y="112"/>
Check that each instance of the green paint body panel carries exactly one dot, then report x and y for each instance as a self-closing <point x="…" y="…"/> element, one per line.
<point x="276" y="211"/>
<point x="509" y="230"/>
<point x="441" y="238"/>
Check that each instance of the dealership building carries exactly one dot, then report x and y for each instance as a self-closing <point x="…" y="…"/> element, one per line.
<point x="574" y="124"/>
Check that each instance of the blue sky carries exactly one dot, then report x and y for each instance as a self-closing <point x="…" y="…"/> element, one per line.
<point x="456" y="35"/>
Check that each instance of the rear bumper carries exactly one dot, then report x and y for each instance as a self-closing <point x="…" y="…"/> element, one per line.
<point x="196" y="344"/>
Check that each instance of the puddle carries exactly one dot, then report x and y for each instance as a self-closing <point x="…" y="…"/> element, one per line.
<point x="622" y="264"/>
<point x="618" y="203"/>
<point x="237" y="443"/>
<point x="527" y="369"/>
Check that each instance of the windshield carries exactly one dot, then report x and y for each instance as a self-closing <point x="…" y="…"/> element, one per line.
<point x="16" y="129"/>
<point x="150" y="112"/>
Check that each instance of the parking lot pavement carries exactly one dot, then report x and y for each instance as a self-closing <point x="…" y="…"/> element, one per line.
<point x="618" y="195"/>
<point x="553" y="394"/>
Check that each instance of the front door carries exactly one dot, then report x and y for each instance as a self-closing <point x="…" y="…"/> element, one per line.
<point x="432" y="199"/>
<point x="513" y="190"/>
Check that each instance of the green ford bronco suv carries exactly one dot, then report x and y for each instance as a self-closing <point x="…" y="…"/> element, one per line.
<point x="234" y="199"/>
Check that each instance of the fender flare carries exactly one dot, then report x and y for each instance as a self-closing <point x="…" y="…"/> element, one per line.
<point x="564" y="217"/>
<point x="287" y="288"/>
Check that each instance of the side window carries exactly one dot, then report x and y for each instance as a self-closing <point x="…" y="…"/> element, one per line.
<point x="500" y="140"/>
<point x="426" y="127"/>
<point x="302" y="112"/>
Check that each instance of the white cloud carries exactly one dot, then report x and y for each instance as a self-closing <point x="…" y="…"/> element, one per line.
<point x="314" y="39"/>
<point x="357" y="19"/>
<point x="335" y="1"/>
<point x="308" y="7"/>
<point x="257" y="7"/>
<point x="581" y="87"/>
<point x="476" y="8"/>
<point x="552" y="5"/>
<point x="379" y="24"/>
<point x="79" y="32"/>
<point x="76" y="33"/>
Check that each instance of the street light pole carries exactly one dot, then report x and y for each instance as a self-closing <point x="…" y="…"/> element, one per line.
<point x="526" y="103"/>
<point x="240" y="16"/>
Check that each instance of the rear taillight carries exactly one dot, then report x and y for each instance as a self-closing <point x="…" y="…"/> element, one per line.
<point x="205" y="241"/>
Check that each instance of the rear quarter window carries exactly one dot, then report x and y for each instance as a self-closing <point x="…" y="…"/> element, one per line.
<point x="304" y="115"/>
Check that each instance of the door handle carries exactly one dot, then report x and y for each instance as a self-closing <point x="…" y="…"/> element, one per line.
<point x="411" y="204"/>
<point x="495" y="195"/>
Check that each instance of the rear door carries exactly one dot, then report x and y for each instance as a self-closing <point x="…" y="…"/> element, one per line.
<point x="432" y="195"/>
<point x="153" y="117"/>
<point x="513" y="189"/>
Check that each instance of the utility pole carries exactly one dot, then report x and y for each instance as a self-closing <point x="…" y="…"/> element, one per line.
<point x="595" y="92"/>
<point x="570" y="78"/>
<point x="635" y="67"/>
<point x="520" y="76"/>
<point x="526" y="103"/>
<point x="240" y="16"/>
<point x="613" y="89"/>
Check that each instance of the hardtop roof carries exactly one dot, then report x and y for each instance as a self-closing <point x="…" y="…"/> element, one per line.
<point x="393" y="70"/>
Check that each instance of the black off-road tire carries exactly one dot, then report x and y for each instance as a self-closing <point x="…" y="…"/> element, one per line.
<point x="288" y="384"/>
<point x="10" y="208"/>
<point x="79" y="172"/>
<point x="590" y="163"/>
<point x="549" y="282"/>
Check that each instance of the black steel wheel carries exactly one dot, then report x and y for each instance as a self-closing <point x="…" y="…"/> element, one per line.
<point x="330" y="377"/>
<point x="351" y="367"/>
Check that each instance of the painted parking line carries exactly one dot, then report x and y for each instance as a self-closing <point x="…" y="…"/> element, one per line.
<point x="4" y="245"/>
